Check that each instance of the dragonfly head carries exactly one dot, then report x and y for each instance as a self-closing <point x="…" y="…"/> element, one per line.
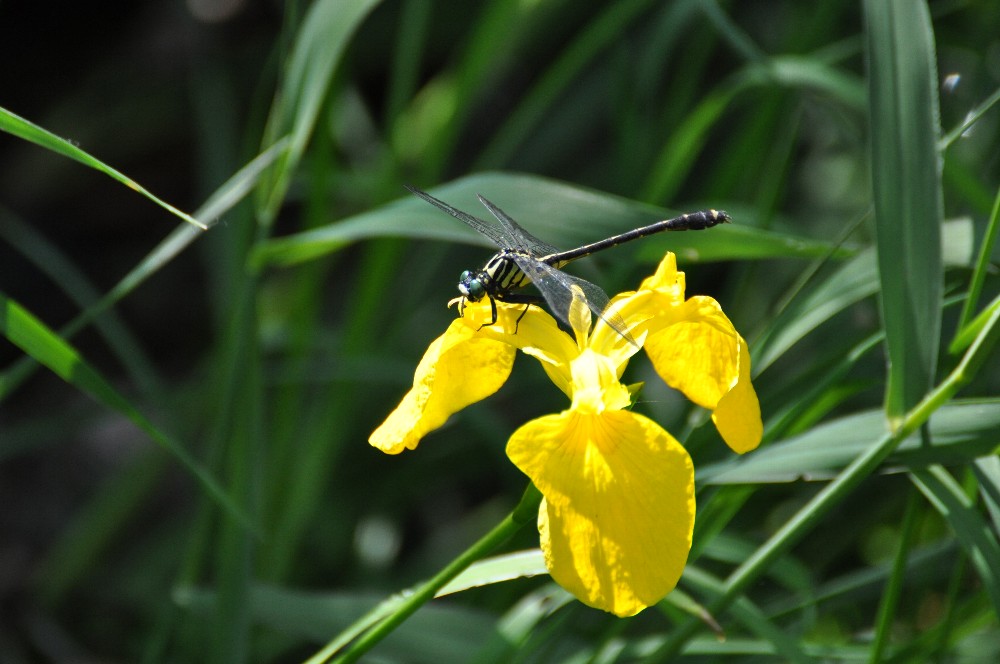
<point x="471" y="286"/>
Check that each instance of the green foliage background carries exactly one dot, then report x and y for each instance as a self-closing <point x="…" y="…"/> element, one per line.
<point x="184" y="469"/>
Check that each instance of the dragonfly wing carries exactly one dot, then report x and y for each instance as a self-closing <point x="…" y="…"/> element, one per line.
<point x="523" y="240"/>
<point x="557" y="289"/>
<point x="498" y="238"/>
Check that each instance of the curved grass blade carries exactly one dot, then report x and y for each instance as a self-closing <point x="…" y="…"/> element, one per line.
<point x="224" y="198"/>
<point x="559" y="213"/>
<point x="966" y="326"/>
<point x="496" y="569"/>
<point x="960" y="432"/>
<point x="18" y="126"/>
<point x="325" y="33"/>
<point x="45" y="346"/>
<point x="853" y="281"/>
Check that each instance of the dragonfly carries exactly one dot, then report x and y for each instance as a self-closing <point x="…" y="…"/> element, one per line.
<point x="523" y="259"/>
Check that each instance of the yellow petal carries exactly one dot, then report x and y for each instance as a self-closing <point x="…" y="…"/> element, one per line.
<point x="697" y="352"/>
<point x="619" y="506"/>
<point x="458" y="369"/>
<point x="532" y="330"/>
<point x="703" y="356"/>
<point x="595" y="387"/>
<point x="737" y="417"/>
<point x="666" y="277"/>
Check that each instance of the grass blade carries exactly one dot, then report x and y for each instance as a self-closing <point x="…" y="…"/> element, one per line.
<point x="18" y="126"/>
<point x="973" y="532"/>
<point x="906" y="183"/>
<point x="557" y="212"/>
<point x="324" y="35"/>
<point x="34" y="338"/>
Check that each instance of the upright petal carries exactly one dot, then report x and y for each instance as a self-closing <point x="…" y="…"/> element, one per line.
<point x="458" y="369"/>
<point x="619" y="506"/>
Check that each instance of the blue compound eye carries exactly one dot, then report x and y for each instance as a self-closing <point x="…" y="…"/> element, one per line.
<point x="476" y="290"/>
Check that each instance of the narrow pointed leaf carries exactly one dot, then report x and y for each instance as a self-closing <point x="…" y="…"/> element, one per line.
<point x="906" y="184"/>
<point x="18" y="126"/>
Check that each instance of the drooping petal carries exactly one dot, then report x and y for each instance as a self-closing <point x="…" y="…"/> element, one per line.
<point x="700" y="353"/>
<point x="619" y="507"/>
<point x="458" y="369"/>
<point x="737" y="417"/>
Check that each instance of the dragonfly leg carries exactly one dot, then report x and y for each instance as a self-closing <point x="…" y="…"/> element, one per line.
<point x="493" y="311"/>
<point x="518" y="321"/>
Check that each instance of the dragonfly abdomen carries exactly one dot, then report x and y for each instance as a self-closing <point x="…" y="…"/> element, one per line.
<point x="694" y="221"/>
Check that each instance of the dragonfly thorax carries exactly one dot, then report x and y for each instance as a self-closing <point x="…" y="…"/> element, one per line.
<point x="499" y="276"/>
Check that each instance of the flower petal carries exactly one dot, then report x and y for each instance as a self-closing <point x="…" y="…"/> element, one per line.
<point x="701" y="354"/>
<point x="737" y="417"/>
<point x="657" y="297"/>
<point x="532" y="330"/>
<point x="458" y="369"/>
<point x="619" y="505"/>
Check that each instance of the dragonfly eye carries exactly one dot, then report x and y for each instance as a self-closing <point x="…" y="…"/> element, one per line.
<point x="475" y="289"/>
<point x="471" y="287"/>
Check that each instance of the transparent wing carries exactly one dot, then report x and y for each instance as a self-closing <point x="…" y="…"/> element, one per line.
<point x="522" y="239"/>
<point x="556" y="287"/>
<point x="498" y="236"/>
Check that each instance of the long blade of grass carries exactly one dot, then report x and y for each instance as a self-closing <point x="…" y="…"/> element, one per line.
<point x="852" y="282"/>
<point x="325" y="33"/>
<point x="960" y="432"/>
<point x="889" y="603"/>
<point x="18" y="126"/>
<point x="224" y="198"/>
<point x="63" y="272"/>
<point x="906" y="184"/>
<point x="37" y="340"/>
<point x="970" y="119"/>
<point x="558" y="212"/>
<point x="982" y="267"/>
<point x="973" y="532"/>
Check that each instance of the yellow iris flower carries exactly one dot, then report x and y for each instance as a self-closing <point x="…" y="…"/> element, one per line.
<point x="618" y="509"/>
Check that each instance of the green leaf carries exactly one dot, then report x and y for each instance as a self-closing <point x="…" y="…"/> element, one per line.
<point x="34" y="338"/>
<point x="973" y="532"/>
<point x="221" y="201"/>
<point x="18" y="126"/>
<point x="960" y="432"/>
<point x="853" y="281"/>
<point x="325" y="33"/>
<point x="557" y="212"/>
<point x="906" y="184"/>
<point x="518" y="565"/>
